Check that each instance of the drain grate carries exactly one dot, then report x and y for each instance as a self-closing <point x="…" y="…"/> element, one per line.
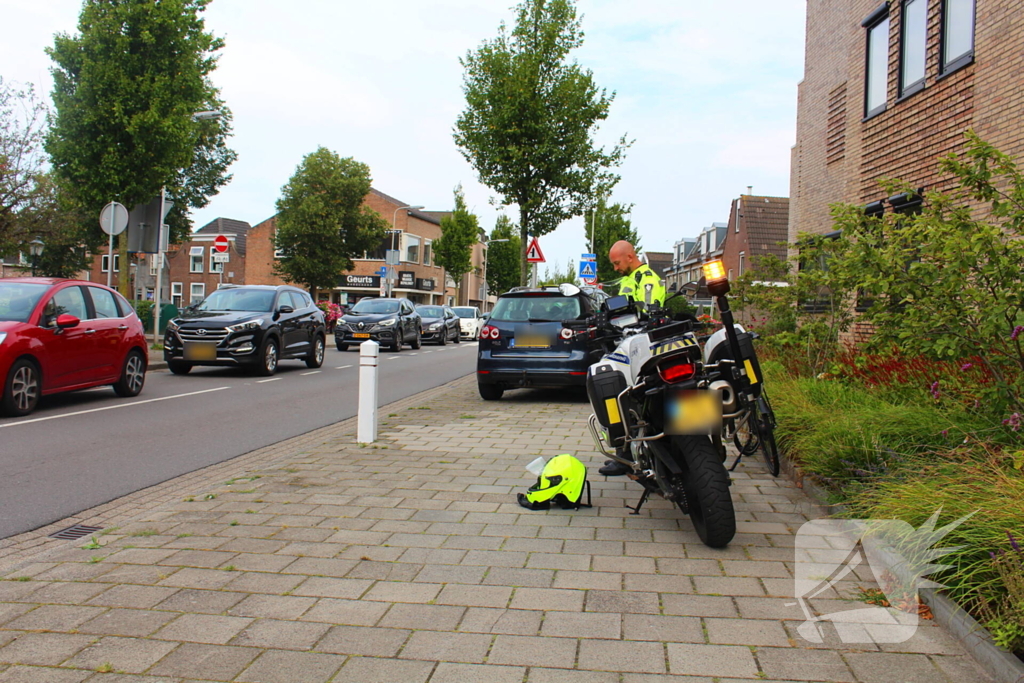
<point x="76" y="531"/>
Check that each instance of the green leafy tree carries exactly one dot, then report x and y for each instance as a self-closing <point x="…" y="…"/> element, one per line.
<point x="530" y="119"/>
<point x="23" y="120"/>
<point x="554" y="276"/>
<point x="453" y="251"/>
<point x="60" y="223"/>
<point x="503" y="257"/>
<point x="126" y="89"/>
<point x="608" y="225"/>
<point x="322" y="222"/>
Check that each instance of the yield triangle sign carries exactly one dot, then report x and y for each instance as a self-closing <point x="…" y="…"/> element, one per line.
<point x="533" y="252"/>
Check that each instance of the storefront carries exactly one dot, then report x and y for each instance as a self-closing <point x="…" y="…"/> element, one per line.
<point x="351" y="288"/>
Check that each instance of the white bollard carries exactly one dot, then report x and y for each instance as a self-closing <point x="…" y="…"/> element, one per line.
<point x="369" y="351"/>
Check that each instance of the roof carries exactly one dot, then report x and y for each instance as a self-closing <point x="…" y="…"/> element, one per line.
<point x="428" y="216"/>
<point x="227" y="226"/>
<point x="766" y="222"/>
<point x="659" y="261"/>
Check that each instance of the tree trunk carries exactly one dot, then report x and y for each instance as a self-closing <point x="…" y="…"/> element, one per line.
<point x="523" y="245"/>
<point x="124" y="272"/>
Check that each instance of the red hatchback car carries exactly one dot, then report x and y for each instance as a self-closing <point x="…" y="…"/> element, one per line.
<point x="62" y="335"/>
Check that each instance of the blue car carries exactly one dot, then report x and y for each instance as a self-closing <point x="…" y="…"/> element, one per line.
<point x="524" y="344"/>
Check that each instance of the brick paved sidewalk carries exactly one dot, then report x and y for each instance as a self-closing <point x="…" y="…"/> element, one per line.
<point x="319" y="560"/>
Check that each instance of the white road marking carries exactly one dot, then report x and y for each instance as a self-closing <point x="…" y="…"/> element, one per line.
<point x="393" y="357"/>
<point x="122" y="405"/>
<point x="315" y="372"/>
<point x="343" y="367"/>
<point x="272" y="379"/>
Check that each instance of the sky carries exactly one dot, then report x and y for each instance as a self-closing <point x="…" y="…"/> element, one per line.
<point x="707" y="94"/>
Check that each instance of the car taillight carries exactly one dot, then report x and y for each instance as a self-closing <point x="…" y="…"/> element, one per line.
<point x="671" y="374"/>
<point x="566" y="333"/>
<point x="489" y="332"/>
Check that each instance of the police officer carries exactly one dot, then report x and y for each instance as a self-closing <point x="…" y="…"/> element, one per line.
<point x="640" y="284"/>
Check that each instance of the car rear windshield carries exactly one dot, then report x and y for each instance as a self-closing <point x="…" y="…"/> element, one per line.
<point x="430" y="311"/>
<point x="18" y="300"/>
<point x="536" y="308"/>
<point x="465" y="312"/>
<point x="257" y="300"/>
<point x="375" y="306"/>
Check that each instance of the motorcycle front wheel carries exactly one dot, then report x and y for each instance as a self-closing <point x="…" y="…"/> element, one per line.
<point x="706" y="485"/>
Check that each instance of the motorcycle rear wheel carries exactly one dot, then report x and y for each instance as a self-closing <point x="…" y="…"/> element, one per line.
<point x="706" y="485"/>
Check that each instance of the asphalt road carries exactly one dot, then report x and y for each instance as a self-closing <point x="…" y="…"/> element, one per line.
<point x="86" y="448"/>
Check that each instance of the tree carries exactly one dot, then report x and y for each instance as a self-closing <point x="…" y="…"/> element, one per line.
<point x="126" y="89"/>
<point x="554" y="277"/>
<point x="23" y="120"/>
<point x="61" y="224"/>
<point x="453" y="251"/>
<point x="610" y="224"/>
<point x="322" y="222"/>
<point x="530" y="119"/>
<point x="503" y="257"/>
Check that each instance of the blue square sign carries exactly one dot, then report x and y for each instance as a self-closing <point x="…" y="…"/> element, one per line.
<point x="588" y="270"/>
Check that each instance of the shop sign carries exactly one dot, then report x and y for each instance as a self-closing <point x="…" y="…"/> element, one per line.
<point x="426" y="283"/>
<point x="359" y="281"/>
<point x="406" y="279"/>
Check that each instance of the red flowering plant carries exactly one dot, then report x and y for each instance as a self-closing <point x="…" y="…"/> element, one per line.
<point x="332" y="312"/>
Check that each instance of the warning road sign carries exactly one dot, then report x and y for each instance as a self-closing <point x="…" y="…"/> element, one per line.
<point x="533" y="252"/>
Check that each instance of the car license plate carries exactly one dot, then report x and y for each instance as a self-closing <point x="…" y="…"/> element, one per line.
<point x="531" y="337"/>
<point x="361" y="335"/>
<point x="200" y="351"/>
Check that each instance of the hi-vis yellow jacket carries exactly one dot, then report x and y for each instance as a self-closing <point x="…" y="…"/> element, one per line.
<point x="643" y="284"/>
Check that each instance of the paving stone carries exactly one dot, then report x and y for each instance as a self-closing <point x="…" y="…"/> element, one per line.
<point x="272" y="606"/>
<point x="447" y="672"/>
<point x="531" y="651"/>
<point x="532" y="578"/>
<point x="540" y="675"/>
<point x="804" y="665"/>
<point x="504" y="621"/>
<point x="960" y="668"/>
<point x="423" y="617"/>
<point x="711" y="660"/>
<point x="470" y="648"/>
<point x="625" y="603"/>
<point x="61" y="593"/>
<point x="442" y="556"/>
<point x="54" y="618"/>
<point x="699" y="606"/>
<point x="883" y="667"/>
<point x="769" y="608"/>
<point x="929" y="638"/>
<point x="662" y="628"/>
<point x="659" y="678"/>
<point x="35" y="674"/>
<point x="617" y="655"/>
<point x="138" y="597"/>
<point x="201" y="601"/>
<point x="283" y="635"/>
<point x="329" y="587"/>
<point x="385" y="571"/>
<point x="291" y="667"/>
<point x="474" y="596"/>
<point x="44" y="649"/>
<point x="131" y="655"/>
<point x="371" y="670"/>
<point x="354" y="640"/>
<point x="134" y="574"/>
<point x="582" y="625"/>
<point x="756" y="569"/>
<point x="11" y="611"/>
<point x="127" y="622"/>
<point x="450" y="574"/>
<point x="635" y="565"/>
<point x="396" y="591"/>
<point x="758" y="632"/>
<point x="318" y="566"/>
<point x="495" y="558"/>
<point x="348" y="612"/>
<point x="585" y="580"/>
<point x="205" y="662"/>
<point x="198" y="578"/>
<point x="728" y="585"/>
<point x="657" y="583"/>
<point x="549" y="599"/>
<point x="203" y="628"/>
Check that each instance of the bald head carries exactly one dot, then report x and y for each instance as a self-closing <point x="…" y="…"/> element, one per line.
<point x="623" y="257"/>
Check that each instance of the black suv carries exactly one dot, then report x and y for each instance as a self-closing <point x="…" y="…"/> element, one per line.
<point x="389" y="322"/>
<point x="253" y="325"/>
<point x="524" y="344"/>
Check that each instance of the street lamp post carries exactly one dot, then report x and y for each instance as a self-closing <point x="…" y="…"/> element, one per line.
<point x="35" y="250"/>
<point x="394" y="229"/>
<point x="198" y="116"/>
<point x="486" y="293"/>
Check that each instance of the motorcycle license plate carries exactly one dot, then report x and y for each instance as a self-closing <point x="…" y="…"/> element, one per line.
<point x="200" y="351"/>
<point x="361" y="335"/>
<point x="693" y="411"/>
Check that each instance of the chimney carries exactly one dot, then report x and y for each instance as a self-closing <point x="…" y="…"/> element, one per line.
<point x="750" y="189"/>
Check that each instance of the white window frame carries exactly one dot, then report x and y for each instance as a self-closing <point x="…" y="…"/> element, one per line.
<point x="426" y="251"/>
<point x="192" y="287"/>
<point x="407" y="242"/>
<point x="105" y="263"/>
<point x="743" y="256"/>
<point x="176" y="291"/>
<point x="155" y="259"/>
<point x="215" y="267"/>
<point x="196" y="266"/>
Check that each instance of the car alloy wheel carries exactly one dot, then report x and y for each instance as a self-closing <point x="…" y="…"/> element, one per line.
<point x="316" y="358"/>
<point x="268" y="364"/>
<point x="133" y="376"/>
<point x="22" y="392"/>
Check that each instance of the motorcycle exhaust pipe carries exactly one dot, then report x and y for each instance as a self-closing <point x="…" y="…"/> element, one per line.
<point x="728" y="395"/>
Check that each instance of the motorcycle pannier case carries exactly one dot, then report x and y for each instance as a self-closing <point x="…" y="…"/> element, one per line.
<point x="604" y="384"/>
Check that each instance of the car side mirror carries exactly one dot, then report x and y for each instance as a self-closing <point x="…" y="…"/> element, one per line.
<point x="285" y="309"/>
<point x="66" y="321"/>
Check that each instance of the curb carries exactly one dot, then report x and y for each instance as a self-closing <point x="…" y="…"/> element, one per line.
<point x="1002" y="665"/>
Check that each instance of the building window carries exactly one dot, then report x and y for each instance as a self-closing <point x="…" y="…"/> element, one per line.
<point x="957" y="34"/>
<point x="155" y="259"/>
<point x="426" y="252"/>
<point x="876" y="83"/>
<point x="743" y="256"/>
<point x="176" y="294"/>
<point x="195" y="259"/>
<point x="105" y="263"/>
<point x="197" y="292"/>
<point x="412" y="249"/>
<point x="913" y="36"/>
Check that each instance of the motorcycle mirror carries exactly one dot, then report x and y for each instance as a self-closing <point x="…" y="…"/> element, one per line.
<point x="568" y="289"/>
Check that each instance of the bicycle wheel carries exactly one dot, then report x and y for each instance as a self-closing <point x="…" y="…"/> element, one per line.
<point x="764" y="423"/>
<point x="744" y="436"/>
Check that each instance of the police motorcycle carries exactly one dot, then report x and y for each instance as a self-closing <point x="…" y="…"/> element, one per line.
<point x="661" y="409"/>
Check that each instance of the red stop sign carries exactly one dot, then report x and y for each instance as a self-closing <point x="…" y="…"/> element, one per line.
<point x="221" y="243"/>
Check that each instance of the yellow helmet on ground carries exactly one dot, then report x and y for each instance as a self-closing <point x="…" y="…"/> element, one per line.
<point x="561" y="481"/>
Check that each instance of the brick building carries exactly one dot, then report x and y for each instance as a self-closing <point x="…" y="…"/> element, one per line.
<point x="890" y="89"/>
<point x="757" y="226"/>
